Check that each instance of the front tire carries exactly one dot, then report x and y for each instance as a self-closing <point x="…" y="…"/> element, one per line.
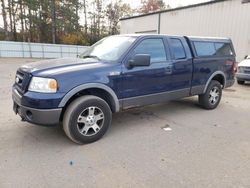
<point x="211" y="98"/>
<point x="240" y="82"/>
<point x="87" y="119"/>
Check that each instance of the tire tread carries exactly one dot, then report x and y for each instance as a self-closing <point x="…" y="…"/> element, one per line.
<point x="203" y="99"/>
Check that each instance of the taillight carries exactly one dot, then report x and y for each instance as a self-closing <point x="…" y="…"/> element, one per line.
<point x="233" y="64"/>
<point x="234" y="67"/>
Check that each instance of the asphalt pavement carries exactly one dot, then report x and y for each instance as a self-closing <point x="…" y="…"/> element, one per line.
<point x="175" y="144"/>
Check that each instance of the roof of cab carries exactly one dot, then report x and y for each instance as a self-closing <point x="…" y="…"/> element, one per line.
<point x="192" y="38"/>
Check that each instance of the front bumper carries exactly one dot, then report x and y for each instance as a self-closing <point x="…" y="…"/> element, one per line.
<point x="243" y="76"/>
<point x="46" y="117"/>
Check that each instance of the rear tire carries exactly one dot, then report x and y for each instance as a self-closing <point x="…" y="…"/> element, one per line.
<point x="87" y="119"/>
<point x="240" y="82"/>
<point x="211" y="98"/>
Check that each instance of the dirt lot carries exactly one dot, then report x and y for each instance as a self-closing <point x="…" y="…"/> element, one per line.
<point x="202" y="149"/>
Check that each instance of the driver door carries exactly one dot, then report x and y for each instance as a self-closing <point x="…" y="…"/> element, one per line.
<point x="141" y="85"/>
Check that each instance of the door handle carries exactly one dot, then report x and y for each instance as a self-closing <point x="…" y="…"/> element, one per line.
<point x="168" y="70"/>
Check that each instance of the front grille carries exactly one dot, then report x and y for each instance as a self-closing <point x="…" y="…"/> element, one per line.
<point x="22" y="80"/>
<point x="245" y="70"/>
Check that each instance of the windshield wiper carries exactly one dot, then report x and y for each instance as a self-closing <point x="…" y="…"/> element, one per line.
<point x="92" y="56"/>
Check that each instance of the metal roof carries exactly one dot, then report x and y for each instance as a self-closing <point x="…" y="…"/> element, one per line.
<point x="174" y="9"/>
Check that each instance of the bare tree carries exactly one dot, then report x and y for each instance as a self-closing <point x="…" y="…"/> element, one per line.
<point x="85" y="17"/>
<point x="152" y="5"/>
<point x="22" y="18"/>
<point x="14" y="11"/>
<point x="10" y="16"/>
<point x="53" y="15"/>
<point x="115" y="11"/>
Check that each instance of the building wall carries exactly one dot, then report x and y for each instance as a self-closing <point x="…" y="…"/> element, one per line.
<point x="228" y="18"/>
<point x="146" y="24"/>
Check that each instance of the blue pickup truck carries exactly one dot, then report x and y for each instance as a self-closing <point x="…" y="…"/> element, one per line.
<point x="121" y="72"/>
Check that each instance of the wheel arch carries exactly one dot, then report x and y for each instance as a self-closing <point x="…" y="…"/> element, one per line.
<point x="218" y="76"/>
<point x="97" y="89"/>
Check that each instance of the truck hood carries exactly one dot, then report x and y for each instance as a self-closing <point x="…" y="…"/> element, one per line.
<point x="54" y="67"/>
<point x="55" y="64"/>
<point x="244" y="63"/>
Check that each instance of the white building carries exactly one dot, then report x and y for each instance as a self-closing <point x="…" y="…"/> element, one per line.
<point x="220" y="18"/>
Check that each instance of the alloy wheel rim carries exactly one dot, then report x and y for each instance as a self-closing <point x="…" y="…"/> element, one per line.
<point x="214" y="95"/>
<point x="90" y="121"/>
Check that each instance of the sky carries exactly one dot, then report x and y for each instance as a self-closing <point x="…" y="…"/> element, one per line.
<point x="136" y="4"/>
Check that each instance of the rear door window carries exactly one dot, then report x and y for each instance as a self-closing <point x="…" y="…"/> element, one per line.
<point x="177" y="49"/>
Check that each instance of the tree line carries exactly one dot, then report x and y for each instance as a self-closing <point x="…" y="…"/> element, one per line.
<point x="58" y="21"/>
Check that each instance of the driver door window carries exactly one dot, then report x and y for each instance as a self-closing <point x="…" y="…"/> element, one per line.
<point x="154" y="47"/>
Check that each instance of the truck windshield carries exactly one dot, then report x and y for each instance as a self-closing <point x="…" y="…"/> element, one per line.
<point x="109" y="49"/>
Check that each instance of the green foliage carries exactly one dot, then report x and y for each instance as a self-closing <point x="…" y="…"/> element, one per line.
<point x="58" y="21"/>
<point x="2" y="36"/>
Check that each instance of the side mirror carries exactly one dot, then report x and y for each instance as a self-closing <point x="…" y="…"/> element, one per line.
<point x="139" y="60"/>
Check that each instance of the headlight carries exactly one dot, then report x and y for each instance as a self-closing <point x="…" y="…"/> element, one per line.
<point x="240" y="69"/>
<point x="43" y="85"/>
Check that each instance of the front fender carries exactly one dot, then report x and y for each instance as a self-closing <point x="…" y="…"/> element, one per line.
<point x="90" y="86"/>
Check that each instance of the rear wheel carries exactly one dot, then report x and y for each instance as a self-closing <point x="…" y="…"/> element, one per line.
<point x="87" y="119"/>
<point x="241" y="82"/>
<point x="212" y="97"/>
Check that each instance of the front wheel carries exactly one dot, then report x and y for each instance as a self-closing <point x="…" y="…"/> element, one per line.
<point x="87" y="119"/>
<point x="212" y="97"/>
<point x="240" y="82"/>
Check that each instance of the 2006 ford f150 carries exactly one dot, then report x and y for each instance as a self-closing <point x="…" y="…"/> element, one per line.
<point x="120" y="72"/>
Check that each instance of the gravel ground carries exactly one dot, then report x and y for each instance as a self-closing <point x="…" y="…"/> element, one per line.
<point x="199" y="148"/>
